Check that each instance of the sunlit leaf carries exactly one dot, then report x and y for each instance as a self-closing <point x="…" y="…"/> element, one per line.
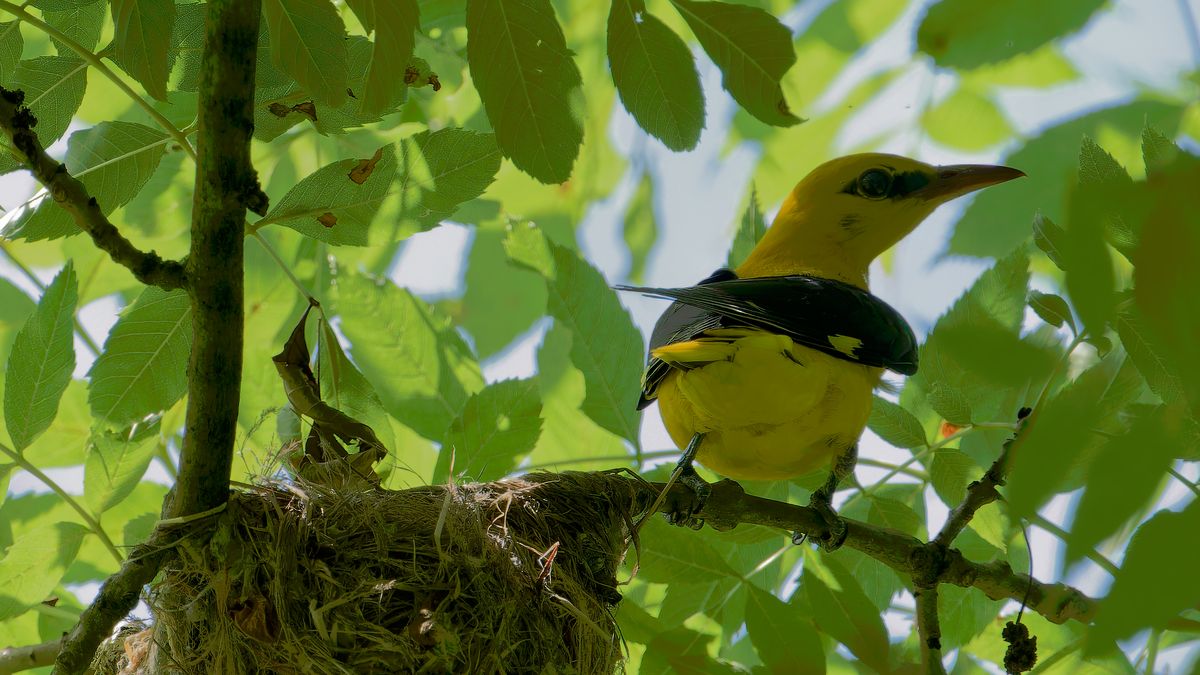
<point x="53" y="87"/>
<point x="393" y="22"/>
<point x="143" y="368"/>
<point x="113" y="159"/>
<point x="751" y="229"/>
<point x="950" y="471"/>
<point x="495" y="428"/>
<point x="501" y="300"/>
<point x="641" y="228"/>
<point x="1043" y="67"/>
<point x="337" y="203"/>
<point x="753" y="51"/>
<point x="1122" y="478"/>
<point x="440" y="170"/>
<point x="1154" y="561"/>
<point x="967" y="120"/>
<point x="529" y="84"/>
<point x="34" y="565"/>
<point x="308" y="43"/>
<point x="895" y="424"/>
<point x="672" y="555"/>
<point x="41" y="361"/>
<point x="842" y="611"/>
<point x="11" y="43"/>
<point x="964" y="613"/>
<point x="116" y="461"/>
<point x="655" y="75"/>
<point x="785" y="643"/>
<point x="82" y="23"/>
<point x="141" y="41"/>
<point x="963" y="34"/>
<point x="421" y="368"/>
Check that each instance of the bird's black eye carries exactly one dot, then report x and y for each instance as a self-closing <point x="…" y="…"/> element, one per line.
<point x="874" y="184"/>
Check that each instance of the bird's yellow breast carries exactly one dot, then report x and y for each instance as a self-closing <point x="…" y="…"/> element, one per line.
<point x="770" y="408"/>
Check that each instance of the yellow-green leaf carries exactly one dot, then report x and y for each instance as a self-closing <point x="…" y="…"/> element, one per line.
<point x="308" y="42"/>
<point x="142" y="40"/>
<point x="966" y="120"/>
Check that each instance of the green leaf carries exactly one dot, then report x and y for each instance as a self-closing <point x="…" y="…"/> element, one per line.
<point x="308" y="42"/>
<point x="1158" y="151"/>
<point x="53" y="87"/>
<point x="966" y="120"/>
<point x="41" y="361"/>
<point x="393" y="22"/>
<point x="409" y="351"/>
<point x="1158" y="558"/>
<point x="142" y="39"/>
<point x="950" y="471"/>
<point x="529" y="84"/>
<point x="894" y="514"/>
<point x="440" y="170"/>
<point x="785" y="643"/>
<point x="1050" y="238"/>
<point x="879" y="582"/>
<point x="1146" y="356"/>
<point x="116" y="462"/>
<point x="1042" y="460"/>
<point x="502" y="300"/>
<point x="963" y="34"/>
<point x="605" y="346"/>
<point x="842" y="611"/>
<point x="996" y="221"/>
<point x="671" y="555"/>
<point x="1052" y="309"/>
<point x="1045" y="66"/>
<point x="11" y="43"/>
<point x="1122" y="478"/>
<point x="143" y="367"/>
<point x="753" y="51"/>
<point x="964" y="613"/>
<point x="113" y="159"/>
<point x="750" y="230"/>
<point x="950" y="403"/>
<point x="994" y="304"/>
<point x="641" y="230"/>
<point x="655" y="75"/>
<point x="895" y="424"/>
<point x="344" y="387"/>
<point x="34" y="565"/>
<point x="336" y="203"/>
<point x="495" y="428"/>
<point x="82" y="22"/>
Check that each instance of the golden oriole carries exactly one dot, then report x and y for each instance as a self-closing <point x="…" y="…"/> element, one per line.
<point x="766" y="371"/>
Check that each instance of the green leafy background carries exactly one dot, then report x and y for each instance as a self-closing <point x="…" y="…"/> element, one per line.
<point x="460" y="181"/>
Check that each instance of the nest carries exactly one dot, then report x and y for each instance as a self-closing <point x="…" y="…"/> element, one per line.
<point x="512" y="576"/>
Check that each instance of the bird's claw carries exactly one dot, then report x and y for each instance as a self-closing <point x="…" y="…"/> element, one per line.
<point x="835" y="526"/>
<point x="702" y="490"/>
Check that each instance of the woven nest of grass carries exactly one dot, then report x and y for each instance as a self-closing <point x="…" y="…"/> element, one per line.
<point x="513" y="576"/>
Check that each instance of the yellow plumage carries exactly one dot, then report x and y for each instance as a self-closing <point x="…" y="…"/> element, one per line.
<point x="760" y="404"/>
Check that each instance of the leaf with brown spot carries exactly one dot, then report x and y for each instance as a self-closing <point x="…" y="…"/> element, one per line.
<point x="327" y="219"/>
<point x="362" y="171"/>
<point x="279" y="109"/>
<point x="308" y="109"/>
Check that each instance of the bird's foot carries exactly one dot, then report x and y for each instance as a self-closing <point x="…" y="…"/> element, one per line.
<point x="835" y="525"/>
<point x="702" y="490"/>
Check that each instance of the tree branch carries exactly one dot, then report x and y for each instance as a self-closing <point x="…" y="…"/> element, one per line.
<point x="929" y="630"/>
<point x="982" y="492"/>
<point x="729" y="505"/>
<point x="16" y="659"/>
<point x="226" y="185"/>
<point x="72" y="195"/>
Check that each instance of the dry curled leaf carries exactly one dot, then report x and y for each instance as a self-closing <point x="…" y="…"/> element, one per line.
<point x="256" y="616"/>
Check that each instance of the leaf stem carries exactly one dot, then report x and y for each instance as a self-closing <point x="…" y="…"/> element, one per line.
<point x="287" y="270"/>
<point x="92" y="523"/>
<point x="1040" y="521"/>
<point x="1184" y="479"/>
<point x="94" y="61"/>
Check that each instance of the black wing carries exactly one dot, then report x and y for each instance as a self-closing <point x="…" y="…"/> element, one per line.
<point x="810" y="310"/>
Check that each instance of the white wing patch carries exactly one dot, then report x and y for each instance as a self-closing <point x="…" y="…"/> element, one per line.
<point x="845" y="344"/>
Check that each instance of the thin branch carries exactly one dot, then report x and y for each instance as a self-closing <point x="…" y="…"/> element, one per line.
<point x="94" y="61"/>
<point x="93" y="524"/>
<point x="1037" y="520"/>
<point x="929" y="630"/>
<point x="72" y="195"/>
<point x="729" y="505"/>
<point x="979" y="494"/>
<point x="287" y="270"/>
<point x="16" y="659"/>
<point x="1184" y="479"/>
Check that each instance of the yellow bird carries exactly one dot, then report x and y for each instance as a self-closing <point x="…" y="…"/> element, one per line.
<point x="766" y="371"/>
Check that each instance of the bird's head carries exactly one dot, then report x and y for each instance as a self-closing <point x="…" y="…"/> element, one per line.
<point x="849" y="210"/>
